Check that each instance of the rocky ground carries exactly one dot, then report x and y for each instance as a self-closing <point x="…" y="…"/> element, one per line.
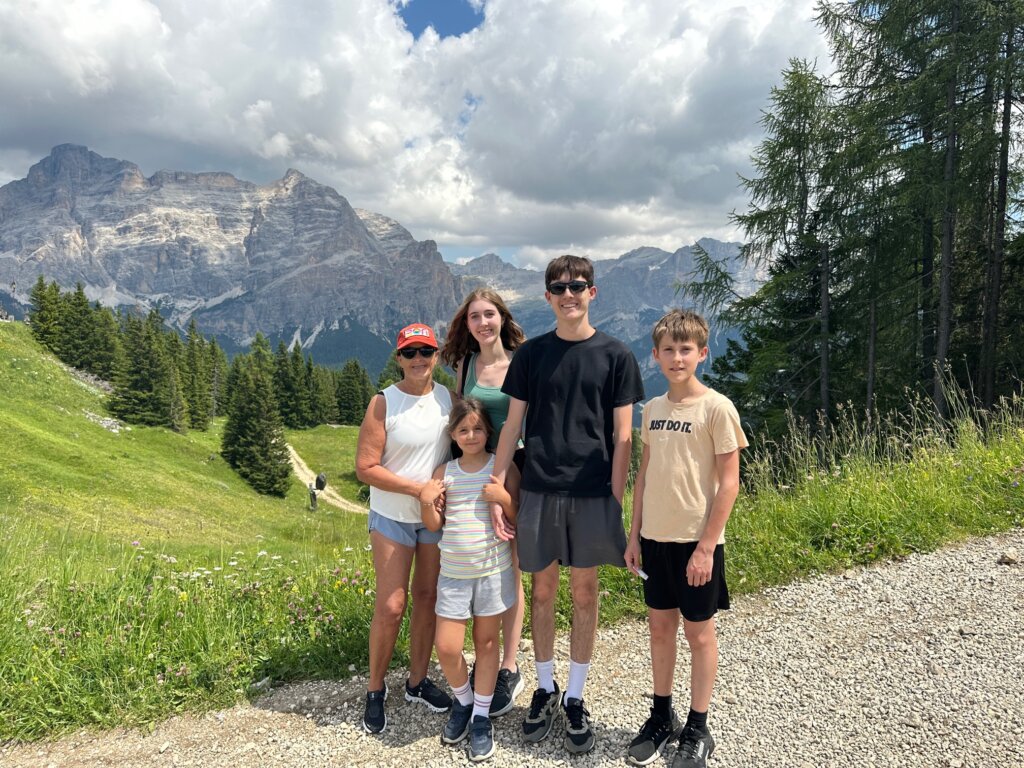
<point x="914" y="663"/>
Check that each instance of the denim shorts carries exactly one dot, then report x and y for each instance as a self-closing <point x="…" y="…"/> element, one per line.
<point x="406" y="534"/>
<point x="483" y="596"/>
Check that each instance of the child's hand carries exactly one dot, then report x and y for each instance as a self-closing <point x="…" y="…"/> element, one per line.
<point x="698" y="570"/>
<point x="632" y="556"/>
<point x="504" y="529"/>
<point x="431" y="491"/>
<point x="494" y="491"/>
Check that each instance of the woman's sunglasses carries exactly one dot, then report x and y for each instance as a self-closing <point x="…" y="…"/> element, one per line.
<point x="576" y="286"/>
<point x="410" y="352"/>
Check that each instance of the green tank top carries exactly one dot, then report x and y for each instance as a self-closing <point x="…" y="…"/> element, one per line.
<point x="495" y="401"/>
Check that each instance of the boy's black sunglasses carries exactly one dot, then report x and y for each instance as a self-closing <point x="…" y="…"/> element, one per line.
<point x="576" y="286"/>
<point x="410" y="352"/>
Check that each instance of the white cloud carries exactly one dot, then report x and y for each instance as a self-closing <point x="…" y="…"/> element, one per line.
<point x="586" y="124"/>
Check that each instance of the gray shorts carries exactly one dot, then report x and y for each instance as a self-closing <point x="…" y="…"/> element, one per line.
<point x="580" y="532"/>
<point x="483" y="596"/>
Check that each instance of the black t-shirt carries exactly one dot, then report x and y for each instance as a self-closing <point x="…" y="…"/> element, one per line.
<point x="571" y="389"/>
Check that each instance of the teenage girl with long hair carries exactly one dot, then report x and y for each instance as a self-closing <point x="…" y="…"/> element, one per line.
<point x="482" y="338"/>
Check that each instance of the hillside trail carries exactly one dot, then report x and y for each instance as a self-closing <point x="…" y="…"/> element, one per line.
<point x="328" y="494"/>
<point x="913" y="663"/>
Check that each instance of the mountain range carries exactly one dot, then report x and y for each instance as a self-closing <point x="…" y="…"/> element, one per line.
<point x="291" y="258"/>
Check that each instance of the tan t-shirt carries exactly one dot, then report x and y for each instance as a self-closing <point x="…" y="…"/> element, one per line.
<point x="681" y="482"/>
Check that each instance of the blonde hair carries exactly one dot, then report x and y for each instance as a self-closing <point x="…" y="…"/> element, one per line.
<point x="682" y="325"/>
<point x="460" y="341"/>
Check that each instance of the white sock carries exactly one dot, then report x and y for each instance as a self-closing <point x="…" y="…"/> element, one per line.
<point x="464" y="695"/>
<point x="482" y="705"/>
<point x="546" y="675"/>
<point x="577" y="679"/>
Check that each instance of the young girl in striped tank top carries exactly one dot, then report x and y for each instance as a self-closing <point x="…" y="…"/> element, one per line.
<point x="476" y="578"/>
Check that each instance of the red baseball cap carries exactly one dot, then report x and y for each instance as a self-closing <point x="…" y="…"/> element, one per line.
<point x="417" y="333"/>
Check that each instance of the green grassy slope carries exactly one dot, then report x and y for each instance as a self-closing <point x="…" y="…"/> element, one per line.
<point x="65" y="473"/>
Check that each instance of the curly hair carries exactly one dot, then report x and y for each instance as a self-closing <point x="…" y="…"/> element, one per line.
<point x="460" y="341"/>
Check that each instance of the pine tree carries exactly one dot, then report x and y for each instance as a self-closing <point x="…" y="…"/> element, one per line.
<point x="300" y="406"/>
<point x="325" y="404"/>
<point x="217" y="365"/>
<point x="389" y="374"/>
<point x="253" y="441"/>
<point x="197" y="379"/>
<point x="134" y="399"/>
<point x="76" y="329"/>
<point x="284" y="387"/>
<point x="351" y="392"/>
<point x="45" y="313"/>
<point x="105" y="344"/>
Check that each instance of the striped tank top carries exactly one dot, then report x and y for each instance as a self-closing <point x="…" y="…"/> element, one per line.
<point x="469" y="548"/>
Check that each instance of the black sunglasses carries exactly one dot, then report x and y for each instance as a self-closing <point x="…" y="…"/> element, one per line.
<point x="576" y="286"/>
<point x="410" y="352"/>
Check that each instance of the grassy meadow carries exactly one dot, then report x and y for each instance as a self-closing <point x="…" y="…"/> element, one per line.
<point x="140" y="577"/>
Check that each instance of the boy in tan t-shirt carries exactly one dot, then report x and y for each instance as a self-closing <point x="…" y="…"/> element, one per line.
<point x="688" y="481"/>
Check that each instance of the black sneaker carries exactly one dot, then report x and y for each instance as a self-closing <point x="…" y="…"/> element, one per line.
<point x="374" y="718"/>
<point x="541" y="715"/>
<point x="579" y="737"/>
<point x="695" y="747"/>
<point x="457" y="727"/>
<point x="645" y="748"/>
<point x="428" y="694"/>
<point x="481" y="739"/>
<point x="508" y="685"/>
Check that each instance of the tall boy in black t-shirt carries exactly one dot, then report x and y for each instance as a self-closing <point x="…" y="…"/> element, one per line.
<point x="576" y="387"/>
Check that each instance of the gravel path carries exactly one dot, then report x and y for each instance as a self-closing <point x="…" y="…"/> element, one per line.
<point x="916" y="663"/>
<point x="328" y="494"/>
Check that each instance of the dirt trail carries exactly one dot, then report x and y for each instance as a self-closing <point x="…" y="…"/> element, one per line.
<point x="328" y="494"/>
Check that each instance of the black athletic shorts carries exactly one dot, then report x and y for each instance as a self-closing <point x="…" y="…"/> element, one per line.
<point x="666" y="588"/>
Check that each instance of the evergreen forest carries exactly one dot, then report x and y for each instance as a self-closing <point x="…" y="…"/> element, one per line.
<point x="884" y="212"/>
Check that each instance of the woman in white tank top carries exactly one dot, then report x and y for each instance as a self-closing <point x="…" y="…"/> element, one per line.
<point x="402" y="439"/>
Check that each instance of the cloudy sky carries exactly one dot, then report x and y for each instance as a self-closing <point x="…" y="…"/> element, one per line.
<point x="525" y="127"/>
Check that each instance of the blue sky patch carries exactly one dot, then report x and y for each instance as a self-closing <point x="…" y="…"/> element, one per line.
<point x="449" y="18"/>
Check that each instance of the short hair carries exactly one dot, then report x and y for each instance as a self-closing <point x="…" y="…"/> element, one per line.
<point x="576" y="266"/>
<point x="465" y="406"/>
<point x="682" y="325"/>
<point x="460" y="341"/>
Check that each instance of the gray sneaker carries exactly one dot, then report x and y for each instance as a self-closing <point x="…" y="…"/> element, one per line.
<point x="654" y="734"/>
<point x="579" y="737"/>
<point x="457" y="727"/>
<point x="541" y="715"/>
<point x="481" y="739"/>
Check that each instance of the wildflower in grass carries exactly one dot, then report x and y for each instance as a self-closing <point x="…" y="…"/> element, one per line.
<point x="183" y="596"/>
<point x="136" y="544"/>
